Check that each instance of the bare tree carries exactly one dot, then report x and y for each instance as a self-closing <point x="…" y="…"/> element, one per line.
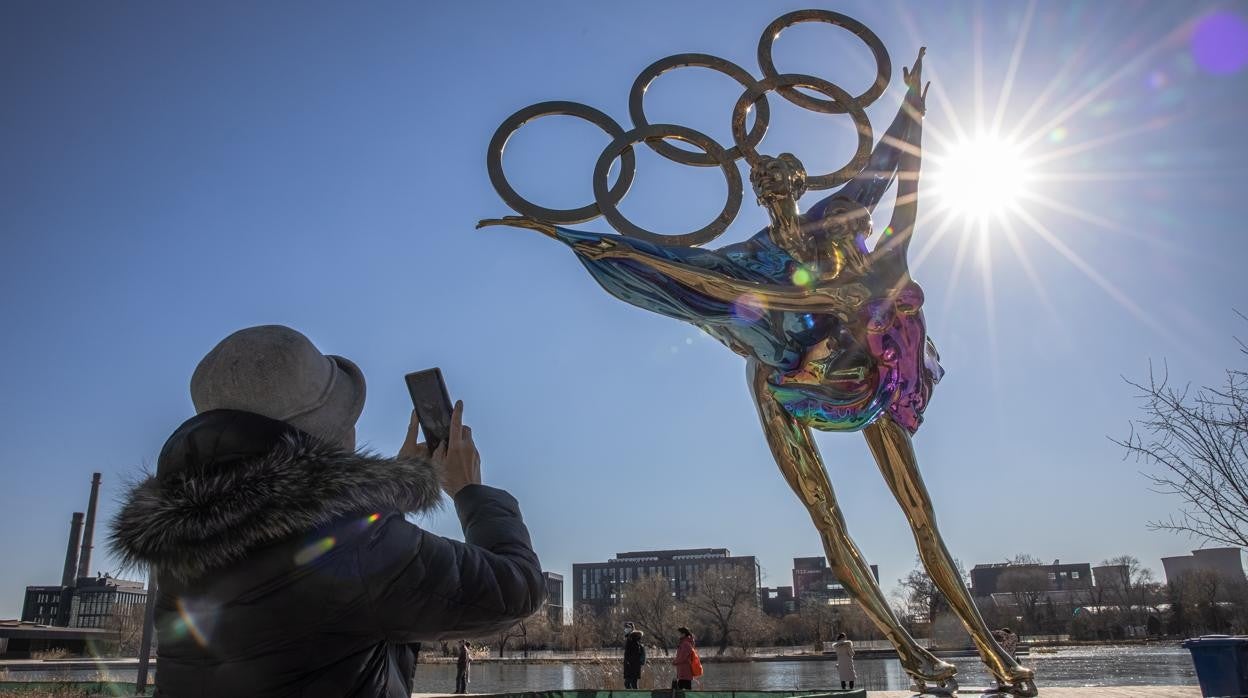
<point x="1198" y="592"/>
<point x="753" y="628"/>
<point x="650" y="605"/>
<point x="721" y="596"/>
<point x="1198" y="442"/>
<point x="127" y="621"/>
<point x="820" y="621"/>
<point x="794" y="629"/>
<point x="517" y="631"/>
<point x="1134" y="591"/>
<point x="920" y="596"/>
<point x="1028" y="584"/>
<point x="582" y="632"/>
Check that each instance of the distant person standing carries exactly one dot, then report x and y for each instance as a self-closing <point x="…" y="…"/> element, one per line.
<point x="845" y="660"/>
<point x="634" y="658"/>
<point x="462" y="665"/>
<point x="687" y="663"/>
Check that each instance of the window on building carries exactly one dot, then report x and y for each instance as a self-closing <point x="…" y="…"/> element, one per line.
<point x="1074" y="575"/>
<point x="1052" y="576"/>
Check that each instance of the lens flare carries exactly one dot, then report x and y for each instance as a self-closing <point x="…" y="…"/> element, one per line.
<point x="311" y="552"/>
<point x="748" y="308"/>
<point x="1220" y="43"/>
<point x="190" y="620"/>
<point x="803" y="277"/>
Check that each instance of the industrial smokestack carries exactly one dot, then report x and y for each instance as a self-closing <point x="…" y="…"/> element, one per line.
<point x="71" y="553"/>
<point x="88" y="533"/>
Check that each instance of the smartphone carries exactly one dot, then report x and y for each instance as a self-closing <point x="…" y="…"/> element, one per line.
<point x="433" y="405"/>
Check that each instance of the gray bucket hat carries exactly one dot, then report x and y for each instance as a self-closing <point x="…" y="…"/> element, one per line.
<point x="277" y="372"/>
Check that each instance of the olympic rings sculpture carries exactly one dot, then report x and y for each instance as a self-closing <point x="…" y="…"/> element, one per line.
<point x="607" y="198"/>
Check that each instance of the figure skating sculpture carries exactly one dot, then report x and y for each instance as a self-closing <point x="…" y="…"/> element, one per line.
<point x="831" y="328"/>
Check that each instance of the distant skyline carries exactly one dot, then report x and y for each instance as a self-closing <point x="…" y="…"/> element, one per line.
<point x="174" y="171"/>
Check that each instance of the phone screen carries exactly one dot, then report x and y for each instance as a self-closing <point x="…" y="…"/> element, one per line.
<point x="433" y="405"/>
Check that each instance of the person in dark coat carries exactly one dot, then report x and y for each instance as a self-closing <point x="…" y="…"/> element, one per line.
<point x="634" y="658"/>
<point x="284" y="562"/>
<point x="463" y="665"/>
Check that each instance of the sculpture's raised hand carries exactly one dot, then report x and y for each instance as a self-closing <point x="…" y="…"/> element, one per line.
<point x="917" y="95"/>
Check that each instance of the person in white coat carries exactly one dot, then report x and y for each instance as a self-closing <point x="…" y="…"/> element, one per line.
<point x="845" y="660"/>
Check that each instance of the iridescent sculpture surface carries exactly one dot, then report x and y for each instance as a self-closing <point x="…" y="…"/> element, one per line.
<point x="831" y="327"/>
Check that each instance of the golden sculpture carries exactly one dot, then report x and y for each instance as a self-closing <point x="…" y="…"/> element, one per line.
<point x="832" y="330"/>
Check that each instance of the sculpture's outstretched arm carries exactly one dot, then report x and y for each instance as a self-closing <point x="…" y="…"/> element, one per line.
<point x="869" y="186"/>
<point x="675" y="266"/>
<point x="843" y="299"/>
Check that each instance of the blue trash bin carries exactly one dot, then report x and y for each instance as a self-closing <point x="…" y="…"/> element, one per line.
<point x="1221" y="664"/>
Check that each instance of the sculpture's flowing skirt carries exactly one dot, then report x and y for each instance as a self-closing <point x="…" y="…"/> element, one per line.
<point x="828" y="375"/>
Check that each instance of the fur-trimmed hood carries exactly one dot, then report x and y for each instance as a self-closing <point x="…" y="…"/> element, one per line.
<point x="229" y="482"/>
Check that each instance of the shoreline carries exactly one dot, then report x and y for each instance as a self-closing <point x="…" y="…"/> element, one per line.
<point x="589" y="657"/>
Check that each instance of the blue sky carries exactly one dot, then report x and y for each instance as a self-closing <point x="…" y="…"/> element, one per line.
<point x="175" y="171"/>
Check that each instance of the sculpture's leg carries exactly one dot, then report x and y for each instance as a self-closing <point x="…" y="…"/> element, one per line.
<point x="799" y="460"/>
<point x="894" y="453"/>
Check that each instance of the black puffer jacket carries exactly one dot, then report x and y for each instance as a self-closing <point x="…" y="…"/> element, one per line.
<point x="286" y="567"/>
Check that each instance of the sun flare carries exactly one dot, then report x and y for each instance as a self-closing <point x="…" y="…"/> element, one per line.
<point x="981" y="177"/>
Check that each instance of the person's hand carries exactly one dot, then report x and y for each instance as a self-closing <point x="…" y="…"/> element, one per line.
<point x="458" y="459"/>
<point x="412" y="447"/>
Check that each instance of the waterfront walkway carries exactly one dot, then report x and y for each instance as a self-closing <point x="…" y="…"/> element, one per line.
<point x="1068" y="692"/>
<point x="1071" y="692"/>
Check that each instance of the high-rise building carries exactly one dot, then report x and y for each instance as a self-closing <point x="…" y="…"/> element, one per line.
<point x="598" y="585"/>
<point x="553" y="607"/>
<point x="815" y="582"/>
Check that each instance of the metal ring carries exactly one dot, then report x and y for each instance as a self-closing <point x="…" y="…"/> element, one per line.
<point x="778" y="82"/>
<point x="623" y="144"/>
<point x="565" y="216"/>
<point x="883" y="64"/>
<point x="637" y="110"/>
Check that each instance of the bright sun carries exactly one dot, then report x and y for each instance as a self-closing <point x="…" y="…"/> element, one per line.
<point x="981" y="177"/>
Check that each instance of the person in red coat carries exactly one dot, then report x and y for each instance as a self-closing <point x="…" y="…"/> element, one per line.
<point x="684" y="661"/>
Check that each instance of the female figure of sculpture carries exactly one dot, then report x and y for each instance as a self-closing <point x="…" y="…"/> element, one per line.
<point x="834" y="338"/>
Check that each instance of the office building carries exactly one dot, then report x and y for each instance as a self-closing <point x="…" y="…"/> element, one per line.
<point x="815" y="582"/>
<point x="989" y="579"/>
<point x="598" y="585"/>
